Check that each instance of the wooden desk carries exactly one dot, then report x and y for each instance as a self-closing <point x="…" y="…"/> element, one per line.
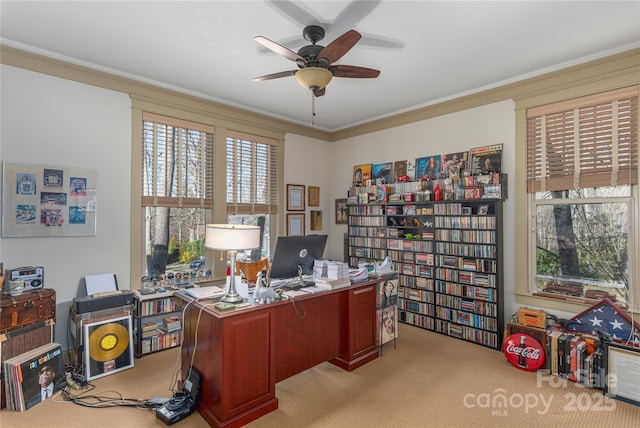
<point x="241" y="354"/>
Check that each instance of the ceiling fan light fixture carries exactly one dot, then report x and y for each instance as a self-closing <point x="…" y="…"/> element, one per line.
<point x="313" y="78"/>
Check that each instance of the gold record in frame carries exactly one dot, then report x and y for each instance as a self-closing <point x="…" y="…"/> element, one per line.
<point x="108" y="342"/>
<point x="108" y="346"/>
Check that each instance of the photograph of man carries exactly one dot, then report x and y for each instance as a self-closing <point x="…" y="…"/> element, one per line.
<point x="46" y="379"/>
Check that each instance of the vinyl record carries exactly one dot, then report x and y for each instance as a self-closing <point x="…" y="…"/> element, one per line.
<point x="108" y="342"/>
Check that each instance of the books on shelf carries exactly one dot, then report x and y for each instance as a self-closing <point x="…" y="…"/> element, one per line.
<point x="172" y="323"/>
<point x="23" y="373"/>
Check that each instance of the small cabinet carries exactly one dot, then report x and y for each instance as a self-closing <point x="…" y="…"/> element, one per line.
<point x="158" y="322"/>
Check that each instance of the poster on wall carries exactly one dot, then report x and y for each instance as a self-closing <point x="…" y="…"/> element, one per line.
<point x="39" y="200"/>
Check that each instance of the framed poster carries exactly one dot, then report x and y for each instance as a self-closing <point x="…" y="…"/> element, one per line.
<point x="622" y="367"/>
<point x="42" y="200"/>
<point x="341" y="211"/>
<point x="295" y="197"/>
<point x="314" y="196"/>
<point x="295" y="224"/>
<point x="316" y="220"/>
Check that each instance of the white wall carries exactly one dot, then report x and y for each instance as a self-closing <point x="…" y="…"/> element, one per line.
<point x="51" y="121"/>
<point x="308" y="162"/>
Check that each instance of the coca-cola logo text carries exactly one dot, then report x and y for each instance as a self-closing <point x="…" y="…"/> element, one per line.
<point x="528" y="352"/>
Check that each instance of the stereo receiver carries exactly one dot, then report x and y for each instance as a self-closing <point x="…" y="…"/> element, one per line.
<point x="33" y="276"/>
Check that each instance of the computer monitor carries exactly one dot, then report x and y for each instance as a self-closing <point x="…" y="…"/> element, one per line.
<point x="294" y="252"/>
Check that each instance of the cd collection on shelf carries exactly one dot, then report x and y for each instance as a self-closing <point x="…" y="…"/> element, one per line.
<point x="448" y="258"/>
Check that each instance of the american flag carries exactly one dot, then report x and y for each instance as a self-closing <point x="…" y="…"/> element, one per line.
<point x="607" y="317"/>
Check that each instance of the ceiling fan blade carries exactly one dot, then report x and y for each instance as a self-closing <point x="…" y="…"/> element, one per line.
<point x="353" y="13"/>
<point x="340" y="46"/>
<point x="381" y="42"/>
<point x="275" y="75"/>
<point x="295" y="13"/>
<point x="354" y="71"/>
<point x="319" y="92"/>
<point x="279" y="49"/>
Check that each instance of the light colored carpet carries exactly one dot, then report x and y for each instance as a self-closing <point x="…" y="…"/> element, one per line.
<point x="430" y="380"/>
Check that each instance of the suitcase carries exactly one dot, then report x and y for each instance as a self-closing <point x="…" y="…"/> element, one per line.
<point x="19" y="341"/>
<point x="27" y="309"/>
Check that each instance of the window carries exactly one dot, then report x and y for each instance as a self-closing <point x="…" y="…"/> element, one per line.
<point x="177" y="173"/>
<point x="582" y="160"/>
<point x="252" y="183"/>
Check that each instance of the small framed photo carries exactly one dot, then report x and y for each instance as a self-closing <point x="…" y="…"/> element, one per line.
<point x="295" y="197"/>
<point x="341" y="211"/>
<point x="483" y="210"/>
<point x="295" y="224"/>
<point x="316" y="220"/>
<point x="314" y="196"/>
<point x="472" y="192"/>
<point x="466" y="210"/>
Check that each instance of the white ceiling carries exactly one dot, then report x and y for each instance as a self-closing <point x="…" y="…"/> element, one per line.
<point x="435" y="50"/>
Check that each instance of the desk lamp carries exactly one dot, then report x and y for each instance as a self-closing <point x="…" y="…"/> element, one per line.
<point x="232" y="237"/>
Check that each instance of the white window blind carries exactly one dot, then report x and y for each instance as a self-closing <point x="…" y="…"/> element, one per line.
<point x="252" y="165"/>
<point x="586" y="142"/>
<point x="177" y="168"/>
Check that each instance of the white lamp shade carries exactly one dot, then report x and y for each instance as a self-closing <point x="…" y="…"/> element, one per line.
<point x="313" y="77"/>
<point x="232" y="237"/>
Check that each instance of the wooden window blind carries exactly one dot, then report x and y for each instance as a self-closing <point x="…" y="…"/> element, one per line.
<point x="585" y="142"/>
<point x="252" y="165"/>
<point x="177" y="168"/>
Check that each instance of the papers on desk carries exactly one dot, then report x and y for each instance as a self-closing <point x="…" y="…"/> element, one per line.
<point x="312" y="289"/>
<point x="357" y="275"/>
<point x="205" y="292"/>
<point x="294" y="293"/>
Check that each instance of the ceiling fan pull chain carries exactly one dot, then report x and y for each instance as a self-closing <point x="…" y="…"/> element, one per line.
<point x="313" y="107"/>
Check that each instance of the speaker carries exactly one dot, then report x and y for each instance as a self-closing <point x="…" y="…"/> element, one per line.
<point x="108" y="346"/>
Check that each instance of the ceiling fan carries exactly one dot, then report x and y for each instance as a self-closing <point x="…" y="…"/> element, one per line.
<point x="315" y="62"/>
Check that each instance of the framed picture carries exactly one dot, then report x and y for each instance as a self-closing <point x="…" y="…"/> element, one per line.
<point x="316" y="220"/>
<point x="341" y="211"/>
<point x="314" y="196"/>
<point x="466" y="210"/>
<point x="621" y="377"/>
<point x="295" y="224"/>
<point x="361" y="173"/>
<point x="483" y="210"/>
<point x="472" y="192"/>
<point x="42" y="200"/>
<point x="295" y="197"/>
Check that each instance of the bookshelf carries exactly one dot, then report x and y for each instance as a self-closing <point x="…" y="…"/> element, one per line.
<point x="151" y="332"/>
<point x="448" y="255"/>
<point x="366" y="233"/>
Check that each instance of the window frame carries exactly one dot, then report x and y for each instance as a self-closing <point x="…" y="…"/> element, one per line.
<point x="524" y="257"/>
<point x="200" y="164"/>
<point x="256" y="153"/>
<point x="190" y="110"/>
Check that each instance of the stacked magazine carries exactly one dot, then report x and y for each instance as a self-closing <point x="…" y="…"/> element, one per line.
<point x="33" y="376"/>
